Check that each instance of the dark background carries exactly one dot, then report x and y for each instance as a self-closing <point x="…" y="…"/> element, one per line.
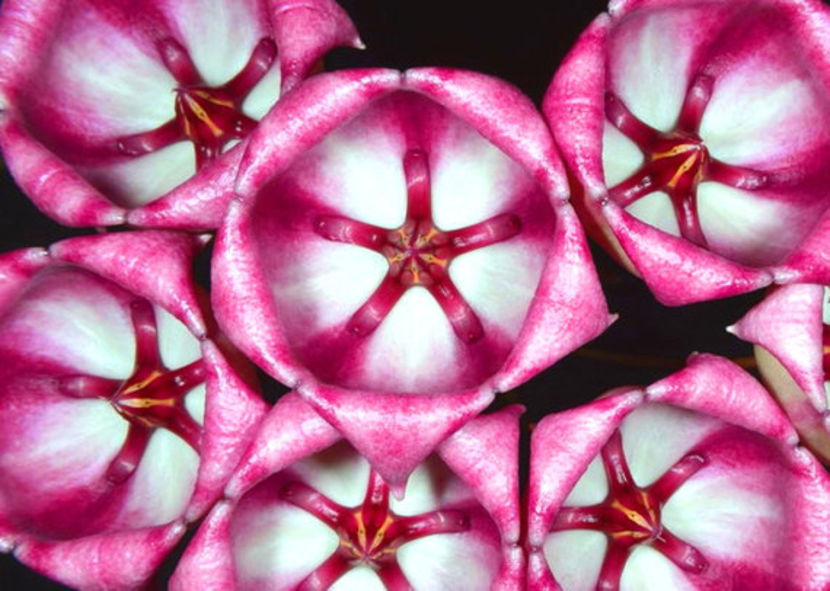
<point x="521" y="41"/>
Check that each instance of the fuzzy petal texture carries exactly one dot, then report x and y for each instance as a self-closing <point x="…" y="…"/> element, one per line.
<point x="697" y="131"/>
<point x="403" y="249"/>
<point x="706" y="481"/>
<point x="125" y="419"/>
<point x="134" y="111"/>
<point x="289" y="516"/>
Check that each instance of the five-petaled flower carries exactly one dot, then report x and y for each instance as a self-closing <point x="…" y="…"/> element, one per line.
<point x="407" y="252"/>
<point x="128" y="112"/>
<point x="696" y="481"/>
<point x="698" y="134"/>
<point x="305" y="511"/>
<point x="124" y="419"/>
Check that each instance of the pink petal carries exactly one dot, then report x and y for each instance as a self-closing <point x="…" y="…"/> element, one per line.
<point x="16" y="268"/>
<point x="98" y="561"/>
<point x="724" y="509"/>
<point x="483" y="452"/>
<point x="763" y="214"/>
<point x="234" y="412"/>
<point x="395" y="432"/>
<point x="303" y="248"/>
<point x="155" y="265"/>
<point x="243" y="539"/>
<point x="716" y="387"/>
<point x="787" y="323"/>
<point x="98" y="79"/>
<point x="305" y="31"/>
<point x="51" y="184"/>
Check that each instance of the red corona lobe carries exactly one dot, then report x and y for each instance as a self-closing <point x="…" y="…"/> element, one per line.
<point x="630" y="515"/>
<point x="151" y="398"/>
<point x="677" y="161"/>
<point x="370" y="533"/>
<point x="210" y="117"/>
<point x="418" y="253"/>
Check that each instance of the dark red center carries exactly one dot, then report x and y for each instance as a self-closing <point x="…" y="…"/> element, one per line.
<point x="210" y="117"/>
<point x="630" y="515"/>
<point x="418" y="253"/>
<point x="370" y="533"/>
<point x="151" y="398"/>
<point x="826" y="351"/>
<point x="677" y="161"/>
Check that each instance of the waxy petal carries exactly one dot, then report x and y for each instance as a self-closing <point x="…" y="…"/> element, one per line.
<point x="789" y="332"/>
<point x="98" y="561"/>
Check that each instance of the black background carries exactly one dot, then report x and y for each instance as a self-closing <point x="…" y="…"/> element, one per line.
<point x="521" y="41"/>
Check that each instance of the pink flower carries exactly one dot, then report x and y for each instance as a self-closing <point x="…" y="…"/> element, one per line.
<point x="123" y="419"/>
<point x="699" y="132"/>
<point x="792" y="345"/>
<point x="129" y="111"/>
<point x="402" y="249"/>
<point x="305" y="511"/>
<point x="696" y="482"/>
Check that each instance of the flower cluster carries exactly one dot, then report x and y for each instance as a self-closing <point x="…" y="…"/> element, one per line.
<point x="401" y="251"/>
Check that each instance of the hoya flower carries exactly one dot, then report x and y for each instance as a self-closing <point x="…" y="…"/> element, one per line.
<point x="790" y="331"/>
<point x="305" y="511"/>
<point x="401" y="250"/>
<point x="129" y="111"/>
<point x="699" y="132"/>
<point x="122" y="418"/>
<point x="696" y="482"/>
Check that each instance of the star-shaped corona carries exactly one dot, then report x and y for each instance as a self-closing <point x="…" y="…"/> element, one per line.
<point x="210" y="117"/>
<point x="676" y="161"/>
<point x="151" y="398"/>
<point x="418" y="253"/>
<point x="370" y="534"/>
<point x="630" y="515"/>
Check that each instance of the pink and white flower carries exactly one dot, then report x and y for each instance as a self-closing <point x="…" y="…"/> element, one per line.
<point x="403" y="249"/>
<point x="790" y="329"/>
<point x="695" y="482"/>
<point x="129" y="111"/>
<point x="123" y="418"/>
<point x="305" y="511"/>
<point x="699" y="132"/>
